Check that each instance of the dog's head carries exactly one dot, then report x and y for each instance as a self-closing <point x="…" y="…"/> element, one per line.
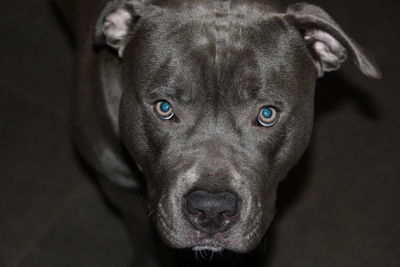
<point x="218" y="106"/>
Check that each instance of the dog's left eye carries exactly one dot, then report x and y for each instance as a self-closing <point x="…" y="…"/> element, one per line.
<point x="268" y="116"/>
<point x="163" y="110"/>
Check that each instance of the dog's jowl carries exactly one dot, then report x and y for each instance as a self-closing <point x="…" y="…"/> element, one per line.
<point x="205" y="105"/>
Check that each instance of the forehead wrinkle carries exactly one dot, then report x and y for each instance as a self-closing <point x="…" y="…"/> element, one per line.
<point x="214" y="42"/>
<point x="220" y="61"/>
<point x="175" y="77"/>
<point x="222" y="24"/>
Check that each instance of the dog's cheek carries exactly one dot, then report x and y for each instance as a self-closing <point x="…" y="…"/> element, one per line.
<point x="143" y="137"/>
<point x="132" y="128"/>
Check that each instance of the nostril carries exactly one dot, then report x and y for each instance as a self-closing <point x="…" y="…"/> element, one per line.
<point x="229" y="213"/>
<point x="190" y="209"/>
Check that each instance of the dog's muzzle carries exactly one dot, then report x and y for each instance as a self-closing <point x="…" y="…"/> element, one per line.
<point x="203" y="213"/>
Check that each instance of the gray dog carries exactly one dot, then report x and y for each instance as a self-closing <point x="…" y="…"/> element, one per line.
<point x="205" y="104"/>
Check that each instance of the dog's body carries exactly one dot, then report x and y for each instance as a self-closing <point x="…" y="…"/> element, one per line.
<point x="206" y="103"/>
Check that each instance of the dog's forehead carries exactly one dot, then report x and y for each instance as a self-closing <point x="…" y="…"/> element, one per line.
<point x="220" y="6"/>
<point x="235" y="51"/>
<point x="217" y="15"/>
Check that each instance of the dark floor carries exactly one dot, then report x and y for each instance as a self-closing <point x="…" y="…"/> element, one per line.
<point x="340" y="206"/>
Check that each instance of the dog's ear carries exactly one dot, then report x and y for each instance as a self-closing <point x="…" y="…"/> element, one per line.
<point x="328" y="43"/>
<point x="114" y="24"/>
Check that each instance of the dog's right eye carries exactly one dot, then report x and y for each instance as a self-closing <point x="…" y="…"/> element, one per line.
<point x="164" y="110"/>
<point x="268" y="116"/>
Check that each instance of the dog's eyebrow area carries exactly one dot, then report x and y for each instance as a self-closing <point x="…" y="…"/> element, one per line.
<point x="218" y="59"/>
<point x="238" y="80"/>
<point x="174" y="80"/>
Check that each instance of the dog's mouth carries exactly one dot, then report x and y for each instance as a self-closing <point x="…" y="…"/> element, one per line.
<point x="207" y="248"/>
<point x="241" y="237"/>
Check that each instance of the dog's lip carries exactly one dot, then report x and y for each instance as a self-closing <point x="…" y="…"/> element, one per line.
<point x="203" y="244"/>
<point x="208" y="247"/>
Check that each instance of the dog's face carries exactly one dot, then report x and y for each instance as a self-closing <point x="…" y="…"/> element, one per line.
<point x="217" y="108"/>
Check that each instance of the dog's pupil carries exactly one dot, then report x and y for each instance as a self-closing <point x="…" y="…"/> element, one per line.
<point x="267" y="113"/>
<point x="165" y="107"/>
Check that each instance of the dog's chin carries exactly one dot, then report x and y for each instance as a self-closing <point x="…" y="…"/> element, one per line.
<point x="210" y="244"/>
<point x="207" y="248"/>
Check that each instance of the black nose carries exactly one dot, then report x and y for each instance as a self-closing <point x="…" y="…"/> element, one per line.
<point x="211" y="212"/>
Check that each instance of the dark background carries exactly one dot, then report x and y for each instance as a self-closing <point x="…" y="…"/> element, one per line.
<point x="339" y="207"/>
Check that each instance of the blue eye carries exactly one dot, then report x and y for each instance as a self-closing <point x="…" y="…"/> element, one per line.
<point x="163" y="110"/>
<point x="165" y="106"/>
<point x="268" y="116"/>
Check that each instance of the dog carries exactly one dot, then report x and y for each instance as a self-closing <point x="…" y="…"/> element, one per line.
<point x="204" y="105"/>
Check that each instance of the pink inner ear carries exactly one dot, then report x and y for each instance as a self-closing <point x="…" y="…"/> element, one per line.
<point x="323" y="37"/>
<point x="116" y="25"/>
<point x="331" y="52"/>
<point x="323" y="51"/>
